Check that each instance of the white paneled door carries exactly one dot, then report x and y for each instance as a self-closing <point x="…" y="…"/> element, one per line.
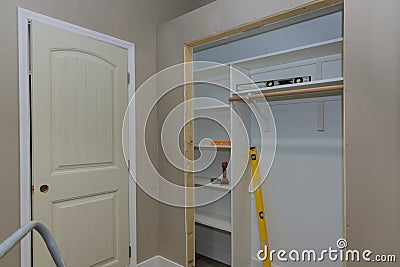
<point x="80" y="179"/>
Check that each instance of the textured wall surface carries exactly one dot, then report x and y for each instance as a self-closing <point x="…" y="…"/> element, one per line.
<point x="372" y="108"/>
<point x="130" y="20"/>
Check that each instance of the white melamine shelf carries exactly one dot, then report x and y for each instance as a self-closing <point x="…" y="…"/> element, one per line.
<point x="315" y="50"/>
<point x="211" y="146"/>
<point x="212" y="108"/>
<point x="208" y="66"/>
<point x="286" y="87"/>
<point x="212" y="73"/>
<point x="205" y="181"/>
<point x="213" y="220"/>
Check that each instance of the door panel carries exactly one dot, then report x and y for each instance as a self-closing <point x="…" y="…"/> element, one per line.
<point x="82" y="87"/>
<point x="79" y="97"/>
<point x="89" y="228"/>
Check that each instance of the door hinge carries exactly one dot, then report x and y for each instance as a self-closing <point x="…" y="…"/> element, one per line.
<point x="33" y="189"/>
<point x="128" y="78"/>
<point x="130" y="252"/>
<point x="129" y="164"/>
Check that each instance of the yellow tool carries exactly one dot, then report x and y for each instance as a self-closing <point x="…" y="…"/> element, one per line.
<point x="262" y="225"/>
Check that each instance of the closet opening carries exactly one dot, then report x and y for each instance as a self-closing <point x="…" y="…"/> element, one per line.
<point x="296" y="66"/>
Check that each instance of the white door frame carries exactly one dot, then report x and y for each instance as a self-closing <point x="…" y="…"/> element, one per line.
<point x="24" y="18"/>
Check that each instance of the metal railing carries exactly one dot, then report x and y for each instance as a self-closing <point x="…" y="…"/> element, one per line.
<point x="16" y="237"/>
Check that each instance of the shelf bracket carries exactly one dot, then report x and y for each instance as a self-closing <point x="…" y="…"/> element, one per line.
<point x="320" y="116"/>
<point x="264" y="115"/>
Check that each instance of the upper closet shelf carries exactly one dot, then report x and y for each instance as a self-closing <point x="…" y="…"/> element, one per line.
<point x="211" y="72"/>
<point x="212" y="146"/>
<point x="315" y="50"/>
<point x="211" y="108"/>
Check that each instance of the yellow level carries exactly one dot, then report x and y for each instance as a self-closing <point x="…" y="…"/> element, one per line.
<point x="262" y="224"/>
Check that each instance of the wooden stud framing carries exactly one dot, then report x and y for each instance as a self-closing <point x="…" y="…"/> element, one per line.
<point x="189" y="156"/>
<point x="189" y="113"/>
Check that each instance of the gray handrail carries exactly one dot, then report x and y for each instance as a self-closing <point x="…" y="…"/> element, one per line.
<point x="16" y="237"/>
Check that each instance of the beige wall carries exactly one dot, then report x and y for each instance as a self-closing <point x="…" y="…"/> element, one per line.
<point x="372" y="83"/>
<point x="130" y="20"/>
<point x="372" y="67"/>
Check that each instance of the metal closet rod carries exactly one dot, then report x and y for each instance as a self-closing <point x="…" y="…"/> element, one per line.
<point x="288" y="93"/>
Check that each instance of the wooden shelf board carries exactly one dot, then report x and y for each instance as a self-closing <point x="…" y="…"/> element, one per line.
<point x="213" y="220"/>
<point x="212" y="108"/>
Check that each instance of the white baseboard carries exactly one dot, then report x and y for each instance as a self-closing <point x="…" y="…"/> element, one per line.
<point x="158" y="261"/>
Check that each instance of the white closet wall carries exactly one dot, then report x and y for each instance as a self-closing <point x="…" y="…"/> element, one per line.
<point x="303" y="193"/>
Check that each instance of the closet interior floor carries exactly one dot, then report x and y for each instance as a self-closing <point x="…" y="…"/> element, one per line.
<point x="202" y="261"/>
